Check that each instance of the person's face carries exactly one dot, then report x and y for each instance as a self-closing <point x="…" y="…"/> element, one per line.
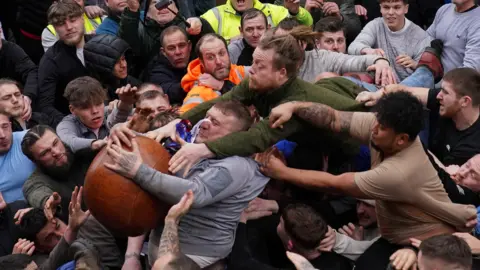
<point x="6" y="134"/>
<point x="11" y="100"/>
<point x="92" y="117"/>
<point x="384" y="139"/>
<point x="156" y="105"/>
<point x="282" y="234"/>
<point x="71" y="30"/>
<point x="49" y="151"/>
<point x="218" y="126"/>
<point x="49" y="236"/>
<point x="332" y="41"/>
<point x="367" y="216"/>
<point x="253" y="30"/>
<point x="117" y="6"/>
<point x="215" y="59"/>
<point x="263" y="76"/>
<point x="450" y="101"/>
<point x="242" y="5"/>
<point x="469" y="174"/>
<point x="393" y="14"/>
<point x="162" y="16"/>
<point x="120" y="69"/>
<point x="176" y="48"/>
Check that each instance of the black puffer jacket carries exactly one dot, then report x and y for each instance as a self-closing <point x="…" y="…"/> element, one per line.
<point x="101" y="54"/>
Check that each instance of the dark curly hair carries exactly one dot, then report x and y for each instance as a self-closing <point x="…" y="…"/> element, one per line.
<point x="402" y="112"/>
<point x="32" y="223"/>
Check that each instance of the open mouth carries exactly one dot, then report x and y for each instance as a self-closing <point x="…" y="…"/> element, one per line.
<point x="240" y="2"/>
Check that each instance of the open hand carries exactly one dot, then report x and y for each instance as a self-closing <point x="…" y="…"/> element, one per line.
<point x="94" y="11"/>
<point x="406" y="61"/>
<point x="209" y="81"/>
<point x="27" y="108"/>
<point x="50" y="206"/>
<point x="351" y="231"/>
<point x="189" y="155"/>
<point x="281" y="114"/>
<point x="328" y="241"/>
<point x="383" y="73"/>
<point x="23" y="246"/>
<point x="167" y="131"/>
<point x="404" y="259"/>
<point x="293" y="6"/>
<point x="331" y="9"/>
<point x="127" y="94"/>
<point x="124" y="162"/>
<point x="120" y="134"/>
<point x="178" y="210"/>
<point x="313" y="4"/>
<point x="272" y="166"/>
<point x="361" y="11"/>
<point x="195" y="26"/>
<point x="76" y="216"/>
<point x="19" y="215"/>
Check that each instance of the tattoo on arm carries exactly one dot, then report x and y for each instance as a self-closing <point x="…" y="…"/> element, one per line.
<point x="169" y="241"/>
<point x="323" y="116"/>
<point x="128" y="161"/>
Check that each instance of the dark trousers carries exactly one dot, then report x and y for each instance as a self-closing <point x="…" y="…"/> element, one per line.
<point x="377" y="256"/>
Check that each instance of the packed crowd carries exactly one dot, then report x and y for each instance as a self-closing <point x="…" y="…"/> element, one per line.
<point x="305" y="134"/>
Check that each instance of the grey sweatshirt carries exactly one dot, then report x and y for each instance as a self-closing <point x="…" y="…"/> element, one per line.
<point x="460" y="33"/>
<point x="319" y="61"/>
<point x="222" y="189"/>
<point x="411" y="40"/>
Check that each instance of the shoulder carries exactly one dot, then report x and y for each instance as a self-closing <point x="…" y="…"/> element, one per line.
<point x="18" y="136"/>
<point x="236" y="45"/>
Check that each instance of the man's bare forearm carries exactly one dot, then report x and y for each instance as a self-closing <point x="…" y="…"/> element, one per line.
<point x="169" y="242"/>
<point x="324" y="116"/>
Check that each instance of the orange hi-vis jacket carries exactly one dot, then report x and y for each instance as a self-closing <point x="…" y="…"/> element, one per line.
<point x="197" y="93"/>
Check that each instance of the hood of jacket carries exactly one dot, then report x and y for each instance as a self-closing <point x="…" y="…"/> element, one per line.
<point x="194" y="70"/>
<point x="102" y="53"/>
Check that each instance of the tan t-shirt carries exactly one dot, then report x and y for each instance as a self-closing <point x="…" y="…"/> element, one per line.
<point x="410" y="198"/>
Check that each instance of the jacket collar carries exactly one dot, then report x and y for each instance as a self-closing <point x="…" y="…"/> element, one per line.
<point x="276" y="95"/>
<point x="229" y="7"/>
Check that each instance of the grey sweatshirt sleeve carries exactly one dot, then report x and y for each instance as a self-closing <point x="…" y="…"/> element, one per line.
<point x="117" y="116"/>
<point x="342" y="63"/>
<point x="366" y="39"/>
<point x="48" y="39"/>
<point x="213" y="184"/>
<point x="235" y="49"/>
<point x="69" y="133"/>
<point x="36" y="190"/>
<point x="350" y="248"/>
<point x="472" y="50"/>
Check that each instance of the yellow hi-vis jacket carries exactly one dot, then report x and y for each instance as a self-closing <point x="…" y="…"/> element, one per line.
<point x="225" y="20"/>
<point x="90" y="25"/>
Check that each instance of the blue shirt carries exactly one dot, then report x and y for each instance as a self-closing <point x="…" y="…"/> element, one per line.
<point x="15" y="168"/>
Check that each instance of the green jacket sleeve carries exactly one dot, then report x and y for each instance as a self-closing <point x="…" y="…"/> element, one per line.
<point x="304" y="17"/>
<point x="239" y="93"/>
<point x="35" y="189"/>
<point x="129" y="31"/>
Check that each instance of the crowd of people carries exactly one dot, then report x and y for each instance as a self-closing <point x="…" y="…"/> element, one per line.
<point x="304" y="134"/>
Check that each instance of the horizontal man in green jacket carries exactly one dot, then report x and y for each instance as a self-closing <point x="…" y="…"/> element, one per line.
<point x="272" y="81"/>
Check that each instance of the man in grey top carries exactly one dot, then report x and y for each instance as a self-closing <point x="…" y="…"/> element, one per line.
<point x="222" y="187"/>
<point x="394" y="37"/>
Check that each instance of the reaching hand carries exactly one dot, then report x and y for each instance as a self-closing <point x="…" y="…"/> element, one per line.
<point x="328" y="242"/>
<point x="189" y="155"/>
<point x="471" y="240"/>
<point x="195" y="26"/>
<point x="99" y="144"/>
<point x="127" y="94"/>
<point x="331" y="9"/>
<point x="209" y="81"/>
<point x="312" y="4"/>
<point x="23" y="246"/>
<point x="94" y="12"/>
<point x="167" y="131"/>
<point x="361" y="11"/>
<point x="383" y="73"/>
<point x="369" y="98"/>
<point x="281" y="114"/>
<point x="112" y="105"/>
<point x="259" y="204"/>
<point x="272" y="166"/>
<point x="141" y="120"/>
<point x="404" y="259"/>
<point x="27" y="108"/>
<point x="352" y="232"/>
<point x="406" y="61"/>
<point x="120" y="134"/>
<point x="293" y="6"/>
<point x="76" y="216"/>
<point x="124" y="162"/>
<point x="133" y="5"/>
<point x="371" y="51"/>
<point x="299" y="261"/>
<point x="178" y="210"/>
<point x="50" y="206"/>
<point x="19" y="215"/>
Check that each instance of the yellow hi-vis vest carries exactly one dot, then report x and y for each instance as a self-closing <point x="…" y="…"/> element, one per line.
<point x="89" y="26"/>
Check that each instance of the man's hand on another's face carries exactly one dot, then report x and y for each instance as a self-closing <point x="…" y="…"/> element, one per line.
<point x="124" y="162"/>
<point x="189" y="155"/>
<point x="209" y="81"/>
<point x="27" y="108"/>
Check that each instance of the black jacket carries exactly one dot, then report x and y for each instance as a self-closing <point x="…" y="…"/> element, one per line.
<point x="161" y="72"/>
<point x="36" y="119"/>
<point x="15" y="64"/>
<point x="101" y="54"/>
<point x="59" y="66"/>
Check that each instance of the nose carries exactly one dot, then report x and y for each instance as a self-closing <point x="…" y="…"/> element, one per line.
<point x="335" y="45"/>
<point x="2" y="134"/>
<point x="205" y="125"/>
<point x="178" y="51"/>
<point x="68" y="25"/>
<point x="123" y="63"/>
<point x="218" y="61"/>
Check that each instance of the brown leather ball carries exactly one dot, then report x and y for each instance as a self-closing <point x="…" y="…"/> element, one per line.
<point x="120" y="204"/>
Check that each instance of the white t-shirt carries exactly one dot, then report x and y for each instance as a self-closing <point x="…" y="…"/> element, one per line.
<point x="80" y="55"/>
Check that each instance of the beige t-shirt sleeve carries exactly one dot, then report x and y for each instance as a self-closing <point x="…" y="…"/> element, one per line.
<point x="384" y="182"/>
<point x="361" y="126"/>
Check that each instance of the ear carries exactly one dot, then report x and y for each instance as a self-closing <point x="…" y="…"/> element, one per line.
<point x="406" y="8"/>
<point x="163" y="51"/>
<point x="283" y="72"/>
<point x="466" y="101"/>
<point x="403" y="139"/>
<point x="72" y="109"/>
